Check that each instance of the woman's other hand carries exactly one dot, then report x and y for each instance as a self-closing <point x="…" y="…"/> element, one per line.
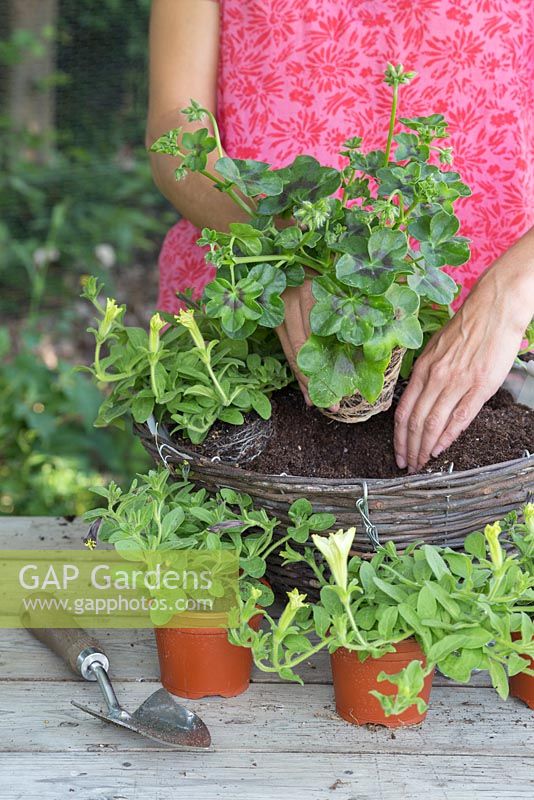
<point x="466" y="362"/>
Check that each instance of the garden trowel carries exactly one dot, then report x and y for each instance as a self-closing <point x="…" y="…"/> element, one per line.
<point x="160" y="717"/>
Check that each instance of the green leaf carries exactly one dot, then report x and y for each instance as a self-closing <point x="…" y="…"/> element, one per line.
<point x="410" y="147"/>
<point x="299" y="533"/>
<point x="399" y="179"/>
<point x="391" y="590"/>
<point x="321" y="522"/>
<point x="261" y="404"/>
<point x="419" y="228"/>
<point x="404" y="330"/>
<point x="330" y="600"/>
<point x="451" y="253"/>
<point x="375" y="272"/>
<point x="387" y="246"/>
<point x="289" y="238"/>
<point x="387" y="621"/>
<point x="172" y="521"/>
<point x="477" y="637"/>
<point x="249" y="238"/>
<point x="301" y="508"/>
<point x="321" y="620"/>
<point x="443" y="226"/>
<point x="367" y="577"/>
<point x="129" y="550"/>
<point x="444" y="599"/>
<point x="444" y="647"/>
<point x="516" y="664"/>
<point x="255" y="566"/>
<point x="252" y="177"/>
<point x="336" y="370"/>
<point x="434" y="284"/>
<point x="426" y="603"/>
<point x="365" y="617"/>
<point x="459" y="564"/>
<point x="273" y="282"/>
<point x="142" y="406"/>
<point x="231" y="415"/>
<point x="527" y="627"/>
<point x="296" y="643"/>
<point x="294" y="274"/>
<point x="499" y="678"/>
<point x="304" y="179"/>
<point x="459" y="666"/>
<point x="475" y="544"/>
<point x="435" y="561"/>
<point x="160" y="380"/>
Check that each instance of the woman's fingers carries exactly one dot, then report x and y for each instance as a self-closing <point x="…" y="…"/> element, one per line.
<point x="449" y="403"/>
<point x="460" y="418"/>
<point x="292" y="336"/>
<point x="403" y="414"/>
<point x="291" y="356"/>
<point x="424" y="419"/>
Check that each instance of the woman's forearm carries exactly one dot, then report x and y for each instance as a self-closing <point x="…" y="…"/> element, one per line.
<point x="194" y="197"/>
<point x="184" y="58"/>
<point x="512" y="278"/>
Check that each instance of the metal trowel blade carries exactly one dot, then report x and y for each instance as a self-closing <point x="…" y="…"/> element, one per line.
<point x="183" y="730"/>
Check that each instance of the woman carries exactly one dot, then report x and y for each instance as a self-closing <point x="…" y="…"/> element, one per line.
<point x="289" y="77"/>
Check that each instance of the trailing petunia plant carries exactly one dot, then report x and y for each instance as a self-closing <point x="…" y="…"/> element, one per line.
<point x="184" y="371"/>
<point x="157" y="517"/>
<point x="373" y="237"/>
<point x="460" y="607"/>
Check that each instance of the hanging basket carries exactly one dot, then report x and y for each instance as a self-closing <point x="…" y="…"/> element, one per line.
<point x="441" y="508"/>
<point x="357" y="409"/>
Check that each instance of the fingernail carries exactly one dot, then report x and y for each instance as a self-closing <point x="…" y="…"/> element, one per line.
<point x="437" y="452"/>
<point x="401" y="462"/>
<point x="411" y="469"/>
<point x="308" y="401"/>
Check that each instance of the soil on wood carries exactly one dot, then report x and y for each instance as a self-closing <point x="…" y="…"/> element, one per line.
<point x="304" y="442"/>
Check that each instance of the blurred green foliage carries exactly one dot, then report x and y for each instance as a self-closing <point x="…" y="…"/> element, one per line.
<point x="102" y="46"/>
<point x="90" y="207"/>
<point x="55" y="215"/>
<point x="51" y="454"/>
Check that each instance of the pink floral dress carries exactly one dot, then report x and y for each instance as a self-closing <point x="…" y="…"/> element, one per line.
<point x="303" y="76"/>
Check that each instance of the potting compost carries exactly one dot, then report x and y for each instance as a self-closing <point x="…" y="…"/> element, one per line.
<point x="302" y="442"/>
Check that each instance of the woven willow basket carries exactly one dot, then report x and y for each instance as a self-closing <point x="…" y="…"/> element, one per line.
<point x="440" y="509"/>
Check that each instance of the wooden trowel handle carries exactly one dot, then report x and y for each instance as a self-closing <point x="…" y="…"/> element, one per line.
<point x="68" y="643"/>
<point x="74" y="645"/>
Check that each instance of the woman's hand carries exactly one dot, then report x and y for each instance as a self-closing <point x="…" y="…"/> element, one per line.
<point x="295" y="329"/>
<point x="466" y="362"/>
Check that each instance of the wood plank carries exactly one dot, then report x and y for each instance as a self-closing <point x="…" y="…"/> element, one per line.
<point x="133" y="656"/>
<point x="267" y="776"/>
<point x="50" y="533"/>
<point x="266" y="718"/>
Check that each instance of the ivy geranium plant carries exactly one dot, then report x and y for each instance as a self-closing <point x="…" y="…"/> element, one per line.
<point x="184" y="370"/>
<point x="460" y="607"/>
<point x="373" y="237"/>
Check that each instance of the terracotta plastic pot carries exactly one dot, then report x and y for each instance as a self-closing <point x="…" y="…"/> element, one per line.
<point x="353" y="679"/>
<point x="201" y="662"/>
<point x="522" y="686"/>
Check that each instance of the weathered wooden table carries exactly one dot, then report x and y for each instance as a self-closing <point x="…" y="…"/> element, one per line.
<point x="277" y="740"/>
